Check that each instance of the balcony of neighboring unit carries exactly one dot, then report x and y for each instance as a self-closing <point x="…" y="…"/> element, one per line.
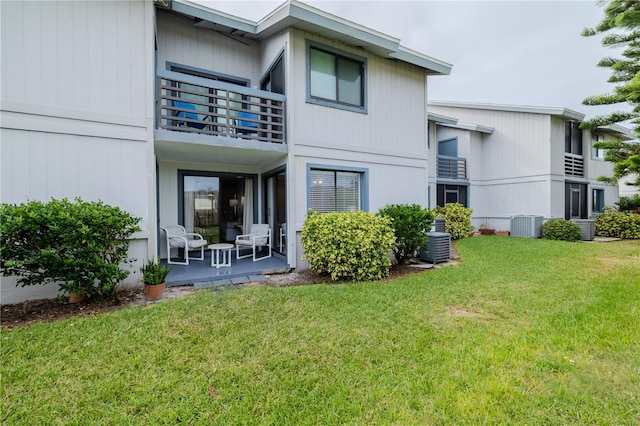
<point x="454" y="168"/>
<point x="228" y="112"/>
<point x="573" y="165"/>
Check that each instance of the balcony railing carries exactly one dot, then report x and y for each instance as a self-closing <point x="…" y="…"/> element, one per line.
<point x="192" y="104"/>
<point x="573" y="165"/>
<point x="452" y="168"/>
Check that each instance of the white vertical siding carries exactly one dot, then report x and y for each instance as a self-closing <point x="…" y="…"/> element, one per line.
<point x="76" y="112"/>
<point x="180" y="41"/>
<point x="389" y="141"/>
<point x="628" y="190"/>
<point x="520" y="145"/>
<point x="396" y="113"/>
<point x="511" y="170"/>
<point x="40" y="166"/>
<point x="81" y="55"/>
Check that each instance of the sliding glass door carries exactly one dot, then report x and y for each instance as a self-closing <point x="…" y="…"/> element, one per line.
<point x="201" y="208"/>
<point x="276" y="209"/>
<point x="216" y="205"/>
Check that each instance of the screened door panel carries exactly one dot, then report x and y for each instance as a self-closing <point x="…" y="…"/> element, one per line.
<point x="575" y="201"/>
<point x="451" y="194"/>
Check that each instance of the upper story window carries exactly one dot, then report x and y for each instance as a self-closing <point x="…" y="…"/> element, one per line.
<point x="597" y="153"/>
<point x="336" y="189"/>
<point x="336" y="79"/>
<point x="273" y="80"/>
<point x="448" y="147"/>
<point x="572" y="137"/>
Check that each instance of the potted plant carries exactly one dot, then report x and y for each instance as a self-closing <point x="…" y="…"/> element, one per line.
<point x="154" y="276"/>
<point x="486" y="228"/>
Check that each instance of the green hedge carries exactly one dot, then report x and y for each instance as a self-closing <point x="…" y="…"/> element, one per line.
<point x="79" y="244"/>
<point x="353" y="245"/>
<point x="631" y="204"/>
<point x="410" y="223"/>
<point x="457" y="219"/>
<point x="617" y="224"/>
<point x="561" y="229"/>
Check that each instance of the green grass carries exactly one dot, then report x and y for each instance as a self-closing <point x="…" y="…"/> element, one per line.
<point x="521" y="332"/>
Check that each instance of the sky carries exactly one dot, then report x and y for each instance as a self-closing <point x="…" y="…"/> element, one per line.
<point x="502" y="52"/>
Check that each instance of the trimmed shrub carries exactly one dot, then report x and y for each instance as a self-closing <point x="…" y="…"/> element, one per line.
<point x="561" y="229"/>
<point x="410" y="223"/>
<point x="353" y="245"/>
<point x="457" y="219"/>
<point x="616" y="224"/>
<point x="79" y="244"/>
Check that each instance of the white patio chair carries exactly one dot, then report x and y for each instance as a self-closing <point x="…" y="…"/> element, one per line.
<point x="178" y="237"/>
<point x="283" y="235"/>
<point x="258" y="236"/>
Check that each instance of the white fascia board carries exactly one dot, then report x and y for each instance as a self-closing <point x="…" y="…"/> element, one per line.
<point x="618" y="131"/>
<point x="416" y="58"/>
<point x="471" y="127"/>
<point x="441" y="119"/>
<point x="293" y="12"/>
<point x="215" y="16"/>
<point x="560" y="112"/>
<point x="305" y="13"/>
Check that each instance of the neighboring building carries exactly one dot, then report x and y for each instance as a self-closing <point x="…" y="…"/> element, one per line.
<point x="518" y="160"/>
<point x="180" y="114"/>
<point x="628" y="190"/>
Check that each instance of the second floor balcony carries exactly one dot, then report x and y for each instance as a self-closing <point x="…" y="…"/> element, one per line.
<point x="193" y="104"/>
<point x="451" y="168"/>
<point x="573" y="165"/>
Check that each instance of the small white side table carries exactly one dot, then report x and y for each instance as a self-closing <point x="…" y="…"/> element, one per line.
<point x="226" y="254"/>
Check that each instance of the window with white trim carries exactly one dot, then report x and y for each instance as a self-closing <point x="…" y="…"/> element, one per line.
<point x="336" y="79"/>
<point x="334" y="190"/>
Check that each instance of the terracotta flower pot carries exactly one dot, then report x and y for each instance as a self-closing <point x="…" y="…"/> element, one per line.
<point x="154" y="292"/>
<point x="77" y="298"/>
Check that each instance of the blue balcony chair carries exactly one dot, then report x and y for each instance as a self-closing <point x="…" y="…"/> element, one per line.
<point x="246" y="123"/>
<point x="201" y="124"/>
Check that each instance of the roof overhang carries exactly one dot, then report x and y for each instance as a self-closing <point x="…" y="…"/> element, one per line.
<point x="471" y="127"/>
<point x="617" y="131"/>
<point x="294" y="14"/>
<point x="441" y="119"/>
<point x="554" y="111"/>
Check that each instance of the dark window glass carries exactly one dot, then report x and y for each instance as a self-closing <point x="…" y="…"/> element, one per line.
<point x="451" y="194"/>
<point x="572" y="137"/>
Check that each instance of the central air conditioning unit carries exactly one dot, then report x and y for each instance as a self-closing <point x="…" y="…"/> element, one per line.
<point x="587" y="228"/>
<point x="438" y="225"/>
<point x="526" y="226"/>
<point x="437" y="248"/>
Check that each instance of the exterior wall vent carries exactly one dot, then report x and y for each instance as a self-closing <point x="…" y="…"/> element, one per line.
<point x="437" y="248"/>
<point x="526" y="226"/>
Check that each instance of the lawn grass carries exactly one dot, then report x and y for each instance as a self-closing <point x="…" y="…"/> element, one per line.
<point x="521" y="332"/>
